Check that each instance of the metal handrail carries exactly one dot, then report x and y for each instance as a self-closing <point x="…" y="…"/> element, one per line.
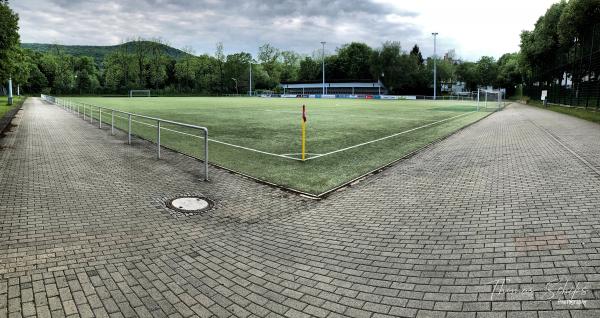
<point x="70" y="105"/>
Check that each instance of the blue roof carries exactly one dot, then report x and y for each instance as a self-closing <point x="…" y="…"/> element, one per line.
<point x="338" y="85"/>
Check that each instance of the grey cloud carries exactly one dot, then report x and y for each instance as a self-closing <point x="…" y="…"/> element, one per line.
<point x="243" y="25"/>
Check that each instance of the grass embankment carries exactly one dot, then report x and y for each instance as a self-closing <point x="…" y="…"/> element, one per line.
<point x="590" y="114"/>
<point x="4" y="107"/>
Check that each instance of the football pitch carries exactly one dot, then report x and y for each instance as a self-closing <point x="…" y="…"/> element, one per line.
<point x="261" y="137"/>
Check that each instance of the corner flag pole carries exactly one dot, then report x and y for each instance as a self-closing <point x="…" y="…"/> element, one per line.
<point x="303" y="132"/>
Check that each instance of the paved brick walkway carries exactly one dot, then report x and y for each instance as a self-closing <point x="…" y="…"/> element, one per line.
<point x="83" y="230"/>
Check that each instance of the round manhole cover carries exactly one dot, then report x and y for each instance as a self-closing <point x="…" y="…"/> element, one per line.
<point x="190" y="204"/>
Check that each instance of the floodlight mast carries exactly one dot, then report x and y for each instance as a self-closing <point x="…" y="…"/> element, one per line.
<point x="434" y="65"/>
<point x="323" y="43"/>
<point x="250" y="78"/>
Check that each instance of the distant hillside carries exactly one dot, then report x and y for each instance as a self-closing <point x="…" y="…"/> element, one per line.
<point x="97" y="52"/>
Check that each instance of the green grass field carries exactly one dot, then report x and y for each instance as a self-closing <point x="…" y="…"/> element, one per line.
<point x="4" y="107"/>
<point x="273" y="126"/>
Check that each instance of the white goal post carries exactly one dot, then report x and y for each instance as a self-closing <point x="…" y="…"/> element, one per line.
<point x="490" y="98"/>
<point x="139" y="93"/>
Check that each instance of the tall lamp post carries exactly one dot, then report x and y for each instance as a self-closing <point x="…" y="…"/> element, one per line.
<point x="250" y="79"/>
<point x="323" y="43"/>
<point x="10" y="95"/>
<point x="434" y="66"/>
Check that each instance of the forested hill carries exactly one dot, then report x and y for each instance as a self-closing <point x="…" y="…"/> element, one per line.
<point x="97" y="52"/>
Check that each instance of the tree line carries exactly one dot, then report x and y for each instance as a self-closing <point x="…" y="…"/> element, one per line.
<point x="561" y="53"/>
<point x="143" y="63"/>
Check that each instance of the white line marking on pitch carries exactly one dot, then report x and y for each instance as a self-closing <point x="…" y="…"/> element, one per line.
<point x="390" y="136"/>
<point x="216" y="141"/>
<point x="287" y="156"/>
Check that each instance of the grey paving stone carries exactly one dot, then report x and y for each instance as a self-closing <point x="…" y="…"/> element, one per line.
<point x="84" y="229"/>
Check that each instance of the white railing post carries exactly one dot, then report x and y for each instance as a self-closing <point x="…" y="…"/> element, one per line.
<point x="129" y="131"/>
<point x="158" y="138"/>
<point x="205" y="154"/>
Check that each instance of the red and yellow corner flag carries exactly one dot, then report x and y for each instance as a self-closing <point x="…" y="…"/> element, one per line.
<point x="303" y="132"/>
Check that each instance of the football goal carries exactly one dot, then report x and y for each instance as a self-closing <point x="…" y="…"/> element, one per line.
<point x="490" y="99"/>
<point x="139" y="93"/>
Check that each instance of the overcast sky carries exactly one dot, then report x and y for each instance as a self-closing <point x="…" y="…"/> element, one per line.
<point x="473" y="28"/>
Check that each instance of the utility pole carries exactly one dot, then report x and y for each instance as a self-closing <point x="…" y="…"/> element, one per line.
<point x="434" y="65"/>
<point x="323" y="43"/>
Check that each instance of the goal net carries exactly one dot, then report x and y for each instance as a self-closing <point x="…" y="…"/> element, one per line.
<point x="490" y="99"/>
<point x="139" y="93"/>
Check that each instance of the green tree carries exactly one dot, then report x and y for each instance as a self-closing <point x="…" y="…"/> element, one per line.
<point x="58" y="70"/>
<point x="334" y="69"/>
<point x="446" y="71"/>
<point x="208" y="77"/>
<point x="354" y="60"/>
<point x="416" y="52"/>
<point x="119" y="70"/>
<point x="509" y="72"/>
<point x="220" y="59"/>
<point x="36" y="82"/>
<point x="157" y="63"/>
<point x="269" y="58"/>
<point x="48" y="64"/>
<point x="260" y="78"/>
<point x="86" y="75"/>
<point x="577" y="19"/>
<point x="9" y="40"/>
<point x="467" y="72"/>
<point x="290" y="67"/>
<point x="309" y="69"/>
<point x="64" y="80"/>
<point x="487" y="70"/>
<point x="186" y="70"/>
<point x="141" y="51"/>
<point x="397" y="68"/>
<point x="236" y="70"/>
<point x="577" y="27"/>
<point x="540" y="48"/>
<point x="22" y="66"/>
